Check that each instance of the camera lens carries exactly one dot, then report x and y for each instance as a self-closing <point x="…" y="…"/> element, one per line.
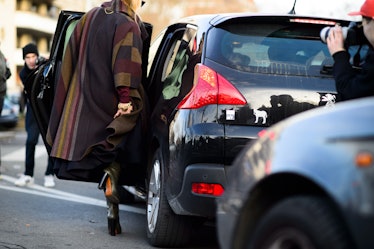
<point x="325" y="33"/>
<point x="326" y="30"/>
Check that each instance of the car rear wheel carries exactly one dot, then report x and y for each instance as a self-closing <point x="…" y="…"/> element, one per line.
<point x="164" y="227"/>
<point x="300" y="223"/>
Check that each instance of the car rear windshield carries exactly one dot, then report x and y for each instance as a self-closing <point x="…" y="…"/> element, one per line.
<point x="285" y="49"/>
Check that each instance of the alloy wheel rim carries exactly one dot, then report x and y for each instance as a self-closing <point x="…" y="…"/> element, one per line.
<point x="153" y="200"/>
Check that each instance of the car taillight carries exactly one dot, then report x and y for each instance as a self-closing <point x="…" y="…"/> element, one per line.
<point x="314" y="21"/>
<point x="202" y="188"/>
<point x="211" y="88"/>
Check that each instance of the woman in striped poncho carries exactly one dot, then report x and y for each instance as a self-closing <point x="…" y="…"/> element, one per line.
<point x="98" y="98"/>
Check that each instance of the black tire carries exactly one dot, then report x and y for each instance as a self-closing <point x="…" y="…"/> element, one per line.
<point x="300" y="223"/>
<point x="164" y="227"/>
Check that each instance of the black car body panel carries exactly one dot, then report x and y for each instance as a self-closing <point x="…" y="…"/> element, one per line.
<point x="41" y="89"/>
<point x="311" y="154"/>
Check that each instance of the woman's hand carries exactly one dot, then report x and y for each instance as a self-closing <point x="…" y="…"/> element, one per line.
<point x="123" y="108"/>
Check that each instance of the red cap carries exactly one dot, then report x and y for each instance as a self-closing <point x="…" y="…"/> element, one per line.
<point x="367" y="9"/>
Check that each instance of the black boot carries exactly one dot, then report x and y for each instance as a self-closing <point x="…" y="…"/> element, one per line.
<point x="114" y="227"/>
<point x="109" y="182"/>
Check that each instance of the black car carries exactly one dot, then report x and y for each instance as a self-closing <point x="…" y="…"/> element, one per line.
<point x="213" y="82"/>
<point x="307" y="182"/>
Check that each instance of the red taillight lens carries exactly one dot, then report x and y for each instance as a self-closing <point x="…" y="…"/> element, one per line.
<point x="210" y="88"/>
<point x="213" y="189"/>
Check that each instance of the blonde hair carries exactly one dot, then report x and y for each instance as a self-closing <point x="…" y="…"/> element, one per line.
<point x="133" y="4"/>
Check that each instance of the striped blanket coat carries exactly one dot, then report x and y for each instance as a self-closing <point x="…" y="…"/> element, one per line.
<point x="104" y="52"/>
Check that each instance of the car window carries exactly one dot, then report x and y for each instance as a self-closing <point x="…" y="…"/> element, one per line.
<point x="153" y="49"/>
<point x="176" y="63"/>
<point x="269" y="48"/>
<point x="69" y="32"/>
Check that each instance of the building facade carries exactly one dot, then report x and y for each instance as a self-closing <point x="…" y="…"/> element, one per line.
<point x="25" y="21"/>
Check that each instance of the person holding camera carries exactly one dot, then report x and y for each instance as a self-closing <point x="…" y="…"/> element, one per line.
<point x="351" y="83"/>
<point x="31" y="57"/>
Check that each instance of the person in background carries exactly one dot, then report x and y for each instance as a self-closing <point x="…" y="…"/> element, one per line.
<point x="351" y="84"/>
<point x="5" y="74"/>
<point x="30" y="55"/>
<point x="99" y="99"/>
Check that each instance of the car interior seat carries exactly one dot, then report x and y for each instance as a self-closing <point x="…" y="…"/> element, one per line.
<point x="233" y="53"/>
<point x="172" y="83"/>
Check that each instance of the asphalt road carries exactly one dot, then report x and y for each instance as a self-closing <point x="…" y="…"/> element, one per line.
<point x="70" y="215"/>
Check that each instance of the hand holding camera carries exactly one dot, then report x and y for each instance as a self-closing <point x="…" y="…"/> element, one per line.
<point x="352" y="50"/>
<point x="352" y="35"/>
<point x="326" y="31"/>
<point x="342" y="38"/>
<point x="335" y="37"/>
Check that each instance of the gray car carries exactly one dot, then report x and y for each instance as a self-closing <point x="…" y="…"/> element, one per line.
<point x="307" y="182"/>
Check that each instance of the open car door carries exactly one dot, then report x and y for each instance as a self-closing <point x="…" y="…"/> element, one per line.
<point x="40" y="85"/>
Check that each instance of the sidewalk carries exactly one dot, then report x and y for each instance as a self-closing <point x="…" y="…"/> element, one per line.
<point x="9" y="133"/>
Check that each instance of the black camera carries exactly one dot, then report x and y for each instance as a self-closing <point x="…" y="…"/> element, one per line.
<point x="353" y="34"/>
